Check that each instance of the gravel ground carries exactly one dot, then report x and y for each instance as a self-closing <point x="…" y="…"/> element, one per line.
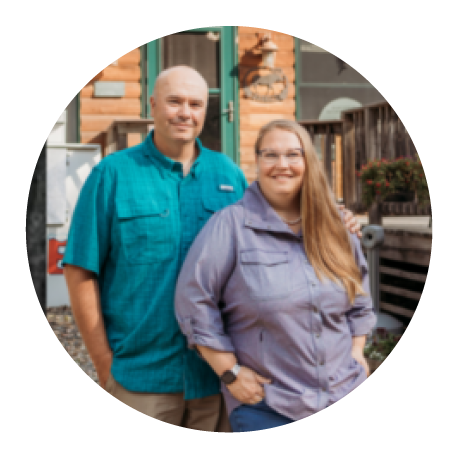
<point x="63" y="325"/>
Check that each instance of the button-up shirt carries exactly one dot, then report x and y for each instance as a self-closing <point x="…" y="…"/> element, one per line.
<point x="248" y="287"/>
<point x="134" y="222"/>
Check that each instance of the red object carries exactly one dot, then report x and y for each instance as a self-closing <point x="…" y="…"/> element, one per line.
<point x="377" y="191"/>
<point x="56" y="251"/>
<point x="378" y="185"/>
<point x="369" y="181"/>
<point x="387" y="184"/>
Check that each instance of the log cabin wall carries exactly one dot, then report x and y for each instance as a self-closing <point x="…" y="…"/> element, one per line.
<point x="253" y="114"/>
<point x="97" y="113"/>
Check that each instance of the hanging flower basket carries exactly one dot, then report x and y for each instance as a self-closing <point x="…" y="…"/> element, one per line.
<point x="402" y="179"/>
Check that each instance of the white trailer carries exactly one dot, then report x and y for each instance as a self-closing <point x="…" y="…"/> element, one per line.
<point x="68" y="166"/>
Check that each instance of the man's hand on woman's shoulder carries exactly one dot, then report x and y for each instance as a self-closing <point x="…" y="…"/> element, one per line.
<point x="351" y="223"/>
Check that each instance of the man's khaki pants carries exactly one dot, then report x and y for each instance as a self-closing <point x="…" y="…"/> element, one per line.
<point x="205" y="414"/>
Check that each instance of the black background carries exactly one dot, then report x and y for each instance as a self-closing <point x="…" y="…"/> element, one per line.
<point x="40" y="74"/>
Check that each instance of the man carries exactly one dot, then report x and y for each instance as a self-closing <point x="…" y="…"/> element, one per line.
<point x="136" y="217"/>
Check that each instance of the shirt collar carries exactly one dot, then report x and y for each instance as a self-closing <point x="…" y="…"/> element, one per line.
<point x="165" y="162"/>
<point x="260" y="215"/>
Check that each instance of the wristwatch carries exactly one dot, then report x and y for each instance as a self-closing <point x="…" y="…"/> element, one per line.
<point x="229" y="376"/>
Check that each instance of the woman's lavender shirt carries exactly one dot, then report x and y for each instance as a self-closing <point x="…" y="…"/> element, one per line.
<point x="247" y="287"/>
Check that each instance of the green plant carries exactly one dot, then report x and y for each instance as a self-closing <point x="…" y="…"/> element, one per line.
<point x="381" y="345"/>
<point x="383" y="178"/>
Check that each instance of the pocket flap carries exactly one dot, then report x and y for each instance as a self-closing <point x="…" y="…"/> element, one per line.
<point x="268" y="258"/>
<point x="146" y="207"/>
<point x="212" y="205"/>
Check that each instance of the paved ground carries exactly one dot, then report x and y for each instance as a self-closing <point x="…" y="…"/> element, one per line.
<point x="65" y="331"/>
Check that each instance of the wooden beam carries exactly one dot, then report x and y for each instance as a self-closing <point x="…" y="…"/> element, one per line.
<point x="386" y="132"/>
<point x="380" y="125"/>
<point x="396" y="309"/>
<point x="402" y="274"/>
<point x="361" y="153"/>
<point x="312" y="133"/>
<point x="391" y="134"/>
<point x="400" y="291"/>
<point x="327" y="154"/>
<point x="399" y="144"/>
<point x="410" y="256"/>
<point x="348" y="158"/>
<point x="371" y="134"/>
<point x="338" y="167"/>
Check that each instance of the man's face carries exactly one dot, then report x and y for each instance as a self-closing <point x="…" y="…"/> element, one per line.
<point x="178" y="106"/>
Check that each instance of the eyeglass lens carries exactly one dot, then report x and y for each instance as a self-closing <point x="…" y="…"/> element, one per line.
<point x="292" y="156"/>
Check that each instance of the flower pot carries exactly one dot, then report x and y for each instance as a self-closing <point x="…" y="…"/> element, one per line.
<point x="375" y="213"/>
<point x="373" y="364"/>
<point x="401" y="195"/>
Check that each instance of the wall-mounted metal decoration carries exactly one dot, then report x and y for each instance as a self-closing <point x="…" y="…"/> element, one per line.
<point x="265" y="84"/>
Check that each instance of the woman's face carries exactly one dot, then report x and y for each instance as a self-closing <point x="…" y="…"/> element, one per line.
<point x="280" y="177"/>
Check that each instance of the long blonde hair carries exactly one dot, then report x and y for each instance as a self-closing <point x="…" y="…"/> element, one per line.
<point x="326" y="240"/>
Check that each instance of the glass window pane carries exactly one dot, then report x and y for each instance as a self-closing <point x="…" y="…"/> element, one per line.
<point x="211" y="134"/>
<point x="199" y="50"/>
<point x="363" y="71"/>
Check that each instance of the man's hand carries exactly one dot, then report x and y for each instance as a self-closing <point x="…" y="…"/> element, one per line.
<point x="103" y="369"/>
<point x="351" y="223"/>
<point x="83" y="289"/>
<point x="247" y="387"/>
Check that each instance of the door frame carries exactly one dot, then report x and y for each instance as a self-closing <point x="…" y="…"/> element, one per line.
<point x="229" y="82"/>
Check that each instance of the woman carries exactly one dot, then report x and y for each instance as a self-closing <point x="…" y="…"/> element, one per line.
<point x="274" y="293"/>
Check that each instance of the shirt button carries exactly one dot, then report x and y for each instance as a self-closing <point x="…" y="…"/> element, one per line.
<point x="321" y="363"/>
<point x="315" y="309"/>
<point x="317" y="335"/>
<point x="323" y="389"/>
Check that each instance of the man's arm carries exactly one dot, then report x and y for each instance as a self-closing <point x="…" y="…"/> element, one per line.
<point x="84" y="294"/>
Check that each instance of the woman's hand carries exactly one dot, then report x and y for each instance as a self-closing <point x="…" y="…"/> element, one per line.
<point x="247" y="387"/>
<point x="357" y="354"/>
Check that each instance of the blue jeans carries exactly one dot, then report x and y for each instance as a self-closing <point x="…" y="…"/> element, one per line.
<point x="256" y="417"/>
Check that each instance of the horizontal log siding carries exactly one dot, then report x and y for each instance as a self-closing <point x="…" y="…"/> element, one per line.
<point x="253" y="115"/>
<point x="96" y="114"/>
<point x="352" y="30"/>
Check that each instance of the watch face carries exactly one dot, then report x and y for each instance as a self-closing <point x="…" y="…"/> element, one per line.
<point x="228" y="377"/>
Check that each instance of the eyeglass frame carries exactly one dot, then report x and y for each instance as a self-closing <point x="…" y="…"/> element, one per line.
<point x="300" y="150"/>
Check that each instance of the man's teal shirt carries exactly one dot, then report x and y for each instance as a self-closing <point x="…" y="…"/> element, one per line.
<point x="134" y="222"/>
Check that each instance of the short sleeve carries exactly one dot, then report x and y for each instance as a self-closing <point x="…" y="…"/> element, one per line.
<point x="89" y="236"/>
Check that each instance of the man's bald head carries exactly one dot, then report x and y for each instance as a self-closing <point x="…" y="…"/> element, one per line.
<point x="179" y="73"/>
<point x="178" y="106"/>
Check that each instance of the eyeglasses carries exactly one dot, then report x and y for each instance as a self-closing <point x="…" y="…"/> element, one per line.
<point x="292" y="156"/>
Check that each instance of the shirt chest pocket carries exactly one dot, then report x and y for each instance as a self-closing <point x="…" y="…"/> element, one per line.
<point x="266" y="274"/>
<point x="145" y="228"/>
<point x="212" y="203"/>
<point x="334" y="300"/>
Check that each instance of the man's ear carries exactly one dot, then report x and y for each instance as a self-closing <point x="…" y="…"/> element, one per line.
<point x="152" y="103"/>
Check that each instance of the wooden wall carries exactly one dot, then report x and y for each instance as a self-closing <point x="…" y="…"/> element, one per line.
<point x="253" y="115"/>
<point x="96" y="114"/>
